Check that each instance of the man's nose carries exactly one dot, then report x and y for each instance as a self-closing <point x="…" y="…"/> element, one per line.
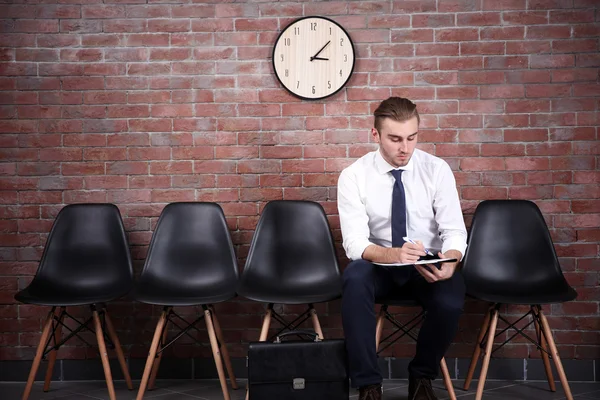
<point x="403" y="146"/>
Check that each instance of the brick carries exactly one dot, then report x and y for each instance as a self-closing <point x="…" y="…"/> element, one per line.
<point x="80" y="26"/>
<point x="42" y="55"/>
<point x="442" y="49"/>
<point x="502" y="149"/>
<point x="102" y="11"/>
<point x="528" y="76"/>
<point x="171" y="167"/>
<point x="127" y="168"/>
<point x="503" y="33"/>
<point x="480" y="135"/>
<point x="549" y="4"/>
<point x="484" y="193"/>
<point x="505" y="62"/>
<point x="169" y="25"/>
<point x="550" y="90"/>
<point x="148" y="11"/>
<point x="555" y="119"/>
<point x="482" y="164"/>
<point x="577" y="133"/>
<point x="82" y="168"/>
<point x="548" y="149"/>
<point x="528" y="47"/>
<point x="152" y="182"/>
<point x="548" y="32"/>
<point x="172" y="195"/>
<point x="525" y="18"/>
<point x="480" y="77"/>
<point x="527" y="106"/>
<point x="529" y="164"/>
<point x="573" y="163"/>
<point x="576" y="46"/>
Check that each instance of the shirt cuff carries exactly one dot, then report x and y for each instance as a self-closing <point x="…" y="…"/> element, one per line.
<point x="355" y="250"/>
<point x="455" y="243"/>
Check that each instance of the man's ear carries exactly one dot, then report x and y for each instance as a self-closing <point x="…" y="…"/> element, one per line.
<point x="375" y="135"/>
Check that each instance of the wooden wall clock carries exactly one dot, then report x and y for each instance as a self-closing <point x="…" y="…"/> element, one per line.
<point x="313" y="57"/>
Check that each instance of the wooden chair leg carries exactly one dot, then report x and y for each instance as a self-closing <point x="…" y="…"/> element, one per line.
<point x="156" y="364"/>
<point x="53" y="353"/>
<point x="488" y="354"/>
<point x="152" y="353"/>
<point x="379" y="325"/>
<point x="315" y="322"/>
<point x="447" y="379"/>
<point x="103" y="355"/>
<point x="477" y="350"/>
<point x="264" y="332"/>
<point x="223" y="347"/>
<point x="544" y="348"/>
<point x="112" y="334"/>
<point x="216" y="353"/>
<point x="554" y="352"/>
<point x="38" y="354"/>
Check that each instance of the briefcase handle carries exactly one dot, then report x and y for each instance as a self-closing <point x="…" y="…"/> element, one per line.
<point x="313" y="335"/>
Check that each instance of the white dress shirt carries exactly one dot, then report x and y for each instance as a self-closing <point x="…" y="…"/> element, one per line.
<point x="433" y="213"/>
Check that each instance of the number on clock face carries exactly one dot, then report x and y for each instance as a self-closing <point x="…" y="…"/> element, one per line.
<point x="313" y="57"/>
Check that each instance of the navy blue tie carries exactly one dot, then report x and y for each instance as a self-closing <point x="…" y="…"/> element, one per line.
<point x="398" y="210"/>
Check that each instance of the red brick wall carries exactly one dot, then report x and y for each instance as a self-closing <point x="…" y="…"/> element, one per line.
<point x="143" y="104"/>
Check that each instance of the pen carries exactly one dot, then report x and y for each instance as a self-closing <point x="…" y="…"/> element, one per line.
<point x="406" y="239"/>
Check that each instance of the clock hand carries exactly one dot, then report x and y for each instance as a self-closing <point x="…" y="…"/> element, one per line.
<point x="319" y="52"/>
<point x="319" y="58"/>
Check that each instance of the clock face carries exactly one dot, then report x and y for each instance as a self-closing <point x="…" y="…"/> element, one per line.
<point x="313" y="57"/>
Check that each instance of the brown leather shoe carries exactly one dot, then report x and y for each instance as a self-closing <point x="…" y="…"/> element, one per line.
<point x="420" y="389"/>
<point x="370" y="392"/>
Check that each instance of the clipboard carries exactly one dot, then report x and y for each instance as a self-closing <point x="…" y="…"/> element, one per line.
<point x="420" y="262"/>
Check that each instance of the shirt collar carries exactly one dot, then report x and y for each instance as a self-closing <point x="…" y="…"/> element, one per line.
<point x="384" y="167"/>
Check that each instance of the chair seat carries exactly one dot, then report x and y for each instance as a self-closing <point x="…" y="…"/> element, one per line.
<point x="153" y="292"/>
<point x="55" y="296"/>
<point x="549" y="296"/>
<point x="282" y="295"/>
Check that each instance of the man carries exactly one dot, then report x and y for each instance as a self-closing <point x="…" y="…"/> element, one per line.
<point x="395" y="192"/>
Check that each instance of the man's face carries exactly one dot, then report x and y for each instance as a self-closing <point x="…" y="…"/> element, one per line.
<point x="397" y="140"/>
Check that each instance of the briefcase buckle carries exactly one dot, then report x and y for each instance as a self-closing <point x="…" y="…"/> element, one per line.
<point x="298" y="383"/>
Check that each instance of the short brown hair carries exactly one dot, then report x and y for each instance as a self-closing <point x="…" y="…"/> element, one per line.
<point x="395" y="108"/>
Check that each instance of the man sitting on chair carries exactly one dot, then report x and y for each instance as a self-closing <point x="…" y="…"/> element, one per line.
<point x="389" y="194"/>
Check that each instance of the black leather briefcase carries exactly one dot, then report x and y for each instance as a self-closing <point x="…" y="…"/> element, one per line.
<point x="298" y="370"/>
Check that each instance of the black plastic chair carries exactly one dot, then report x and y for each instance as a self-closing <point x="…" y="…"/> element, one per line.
<point x="86" y="261"/>
<point x="292" y="260"/>
<point x="190" y="262"/>
<point x="401" y="329"/>
<point x="511" y="260"/>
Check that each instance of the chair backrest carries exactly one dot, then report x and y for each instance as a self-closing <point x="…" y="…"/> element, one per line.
<point x="87" y="245"/>
<point x="191" y="249"/>
<point x="510" y="249"/>
<point x="292" y="251"/>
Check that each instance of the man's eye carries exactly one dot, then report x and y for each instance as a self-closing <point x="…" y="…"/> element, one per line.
<point x="411" y="138"/>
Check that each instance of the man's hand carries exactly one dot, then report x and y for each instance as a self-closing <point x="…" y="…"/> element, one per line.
<point x="410" y="253"/>
<point x="432" y="274"/>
